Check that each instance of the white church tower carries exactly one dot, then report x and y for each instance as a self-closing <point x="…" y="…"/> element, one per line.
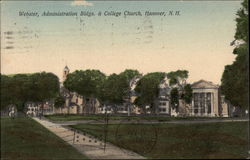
<point x="65" y="72"/>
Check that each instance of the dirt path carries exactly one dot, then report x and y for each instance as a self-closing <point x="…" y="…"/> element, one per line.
<point x="86" y="144"/>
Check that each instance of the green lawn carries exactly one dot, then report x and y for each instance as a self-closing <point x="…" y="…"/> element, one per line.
<point x="71" y="117"/>
<point x="196" y="141"/>
<point x="23" y="138"/>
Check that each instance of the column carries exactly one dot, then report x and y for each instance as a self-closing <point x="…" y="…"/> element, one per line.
<point x="212" y="104"/>
<point x="192" y="106"/>
<point x="205" y="104"/>
<point x="199" y="104"/>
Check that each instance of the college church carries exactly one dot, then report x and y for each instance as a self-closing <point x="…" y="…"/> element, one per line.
<point x="75" y="103"/>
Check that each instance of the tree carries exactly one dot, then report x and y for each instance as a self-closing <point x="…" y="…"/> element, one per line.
<point x="234" y="81"/>
<point x="59" y="101"/>
<point x="178" y="78"/>
<point x="46" y="87"/>
<point x="5" y="92"/>
<point x="15" y="90"/>
<point x="147" y="89"/>
<point x="114" y="91"/>
<point x="116" y="88"/>
<point x="187" y="95"/>
<point x="129" y="74"/>
<point x="181" y="90"/>
<point x="87" y="83"/>
<point x="20" y="88"/>
<point x="174" y="96"/>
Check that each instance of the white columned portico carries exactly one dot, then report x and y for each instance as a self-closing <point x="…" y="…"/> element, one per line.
<point x="205" y="98"/>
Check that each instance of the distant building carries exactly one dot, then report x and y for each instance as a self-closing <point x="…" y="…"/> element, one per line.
<point x="207" y="100"/>
<point x="163" y="100"/>
<point x="75" y="103"/>
<point x="36" y="108"/>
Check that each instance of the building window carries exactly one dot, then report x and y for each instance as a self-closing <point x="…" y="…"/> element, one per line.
<point x="163" y="109"/>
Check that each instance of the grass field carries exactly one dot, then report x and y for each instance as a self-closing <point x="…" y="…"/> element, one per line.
<point x="71" y="117"/>
<point x="192" y="141"/>
<point x="23" y="138"/>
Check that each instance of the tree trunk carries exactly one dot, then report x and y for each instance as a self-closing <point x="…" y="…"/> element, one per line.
<point x="92" y="105"/>
<point x="144" y="110"/>
<point x="68" y="106"/>
<point x="128" y="109"/>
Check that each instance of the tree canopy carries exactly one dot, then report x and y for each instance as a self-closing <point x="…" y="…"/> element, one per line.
<point x="174" y="95"/>
<point x="181" y="89"/>
<point x="129" y="74"/>
<point x="116" y="88"/>
<point x="20" y="88"/>
<point x="147" y="89"/>
<point x="87" y="83"/>
<point x="59" y="101"/>
<point x="177" y="77"/>
<point x="234" y="81"/>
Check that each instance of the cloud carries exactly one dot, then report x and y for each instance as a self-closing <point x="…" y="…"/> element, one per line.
<point x="81" y="3"/>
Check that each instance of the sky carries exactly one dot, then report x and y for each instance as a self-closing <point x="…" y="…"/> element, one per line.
<point x="198" y="40"/>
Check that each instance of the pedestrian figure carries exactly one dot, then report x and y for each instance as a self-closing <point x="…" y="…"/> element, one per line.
<point x="12" y="113"/>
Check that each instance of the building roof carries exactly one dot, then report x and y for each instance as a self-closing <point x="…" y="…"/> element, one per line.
<point x="66" y="68"/>
<point x="204" y="84"/>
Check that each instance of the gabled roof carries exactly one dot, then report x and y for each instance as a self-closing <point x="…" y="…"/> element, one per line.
<point x="204" y="84"/>
<point x="66" y="68"/>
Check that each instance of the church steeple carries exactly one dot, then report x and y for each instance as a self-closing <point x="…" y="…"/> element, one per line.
<point x="65" y="72"/>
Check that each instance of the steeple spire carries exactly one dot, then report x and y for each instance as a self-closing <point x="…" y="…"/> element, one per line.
<point x="65" y="72"/>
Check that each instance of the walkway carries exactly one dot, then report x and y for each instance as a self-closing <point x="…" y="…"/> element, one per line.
<point x="86" y="144"/>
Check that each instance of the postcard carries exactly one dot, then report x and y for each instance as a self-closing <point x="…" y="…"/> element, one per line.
<point x="124" y="79"/>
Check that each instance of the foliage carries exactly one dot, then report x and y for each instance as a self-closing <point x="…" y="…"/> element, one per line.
<point x="177" y="77"/>
<point x="45" y="86"/>
<point x="147" y="89"/>
<point x="174" y="95"/>
<point x="187" y="95"/>
<point x="234" y="81"/>
<point x="5" y="94"/>
<point x="59" y="101"/>
<point x="242" y="23"/>
<point x="178" y="80"/>
<point x="115" y="89"/>
<point x="20" y="88"/>
<point x="87" y="83"/>
<point x="129" y="74"/>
